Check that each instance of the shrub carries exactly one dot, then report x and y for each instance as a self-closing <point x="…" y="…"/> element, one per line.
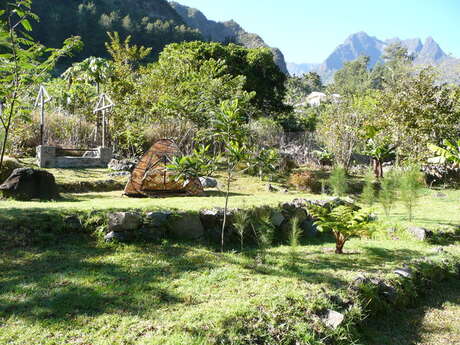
<point x="266" y="132"/>
<point x="240" y="223"/>
<point x="182" y="131"/>
<point x="305" y="180"/>
<point x="388" y="192"/>
<point x="294" y="238"/>
<point x="344" y="222"/>
<point x="60" y="130"/>
<point x="338" y="181"/>
<point x="368" y="196"/>
<point x="410" y="186"/>
<point x="9" y="164"/>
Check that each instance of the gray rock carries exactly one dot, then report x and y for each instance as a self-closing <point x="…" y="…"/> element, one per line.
<point x="73" y="223"/>
<point x="440" y="195"/>
<point x="214" y="218"/>
<point x="309" y="228"/>
<point x="157" y="219"/>
<point x="28" y="183"/>
<point x="115" y="236"/>
<point x="122" y="165"/>
<point x="404" y="272"/>
<point x="420" y="233"/>
<point x="186" y="226"/>
<point x="148" y="233"/>
<point x="277" y="219"/>
<point x="124" y="221"/>
<point x="208" y="182"/>
<point x="438" y="250"/>
<point x="120" y="173"/>
<point x="271" y="189"/>
<point x="333" y="319"/>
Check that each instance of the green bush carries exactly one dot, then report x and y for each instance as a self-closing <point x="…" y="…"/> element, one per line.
<point x="368" y="196"/>
<point x="388" y="191"/>
<point x="338" y="181"/>
<point x="9" y="164"/>
<point x="410" y="187"/>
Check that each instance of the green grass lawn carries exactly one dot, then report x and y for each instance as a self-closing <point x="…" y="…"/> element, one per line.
<point x="434" y="320"/>
<point x="83" y="293"/>
<point x="79" y="291"/>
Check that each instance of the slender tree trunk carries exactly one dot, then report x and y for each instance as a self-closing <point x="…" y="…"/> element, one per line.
<point x="227" y="194"/>
<point x="339" y="243"/>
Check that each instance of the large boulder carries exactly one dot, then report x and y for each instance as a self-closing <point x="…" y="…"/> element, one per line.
<point x="420" y="233"/>
<point x="124" y="221"/>
<point x="208" y="182"/>
<point x="186" y="226"/>
<point x="28" y="183"/>
<point x="122" y="165"/>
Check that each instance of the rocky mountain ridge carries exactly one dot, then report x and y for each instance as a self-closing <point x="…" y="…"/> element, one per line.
<point x="425" y="53"/>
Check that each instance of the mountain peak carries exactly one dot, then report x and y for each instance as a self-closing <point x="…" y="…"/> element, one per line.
<point x="360" y="43"/>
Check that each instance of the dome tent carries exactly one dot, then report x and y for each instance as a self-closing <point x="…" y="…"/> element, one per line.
<point x="151" y="178"/>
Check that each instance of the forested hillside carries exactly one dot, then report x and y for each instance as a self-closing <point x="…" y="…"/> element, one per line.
<point x="151" y="23"/>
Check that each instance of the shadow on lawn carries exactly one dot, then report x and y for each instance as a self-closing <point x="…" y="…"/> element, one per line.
<point x="408" y="327"/>
<point x="60" y="283"/>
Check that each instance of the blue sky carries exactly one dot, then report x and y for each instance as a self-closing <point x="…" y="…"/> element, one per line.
<point x="308" y="31"/>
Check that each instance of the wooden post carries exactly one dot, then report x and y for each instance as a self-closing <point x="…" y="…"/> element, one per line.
<point x="42" y="120"/>
<point x="103" y="123"/>
<point x="42" y="98"/>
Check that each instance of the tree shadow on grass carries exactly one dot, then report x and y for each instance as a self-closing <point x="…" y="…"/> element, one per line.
<point x="409" y="327"/>
<point x="55" y="284"/>
<point x="325" y="267"/>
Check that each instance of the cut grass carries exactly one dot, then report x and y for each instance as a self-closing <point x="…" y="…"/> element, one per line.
<point x="435" y="320"/>
<point x="76" y="291"/>
<point x="82" y="293"/>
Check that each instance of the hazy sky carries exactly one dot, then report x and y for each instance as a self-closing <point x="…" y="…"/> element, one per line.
<point x="308" y="31"/>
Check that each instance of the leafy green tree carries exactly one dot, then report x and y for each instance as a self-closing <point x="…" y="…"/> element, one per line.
<point x="340" y="126"/>
<point x="344" y="222"/>
<point x="298" y="88"/>
<point x="380" y="154"/>
<point x="415" y="110"/>
<point x="353" y="79"/>
<point x="261" y="74"/>
<point x="23" y="62"/>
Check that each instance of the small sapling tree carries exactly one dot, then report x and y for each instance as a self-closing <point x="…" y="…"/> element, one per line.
<point x="338" y="181"/>
<point x="410" y="188"/>
<point x="368" y="195"/>
<point x="388" y="192"/>
<point x="229" y="130"/>
<point x="294" y="239"/>
<point x="343" y="221"/>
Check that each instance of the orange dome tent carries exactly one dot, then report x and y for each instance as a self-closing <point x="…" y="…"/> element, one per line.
<point x="151" y="178"/>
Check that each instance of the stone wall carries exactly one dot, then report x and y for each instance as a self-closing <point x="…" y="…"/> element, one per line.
<point x="47" y="158"/>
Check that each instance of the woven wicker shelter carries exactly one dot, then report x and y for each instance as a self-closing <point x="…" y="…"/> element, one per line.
<point x="151" y="178"/>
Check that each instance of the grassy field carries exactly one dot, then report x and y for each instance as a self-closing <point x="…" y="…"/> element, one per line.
<point x="84" y="293"/>
<point x="435" y="320"/>
<point x="80" y="291"/>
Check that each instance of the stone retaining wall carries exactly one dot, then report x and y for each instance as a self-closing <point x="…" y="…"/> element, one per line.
<point x="206" y="224"/>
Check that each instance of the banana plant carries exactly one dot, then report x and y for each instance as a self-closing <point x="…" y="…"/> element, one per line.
<point x="450" y="153"/>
